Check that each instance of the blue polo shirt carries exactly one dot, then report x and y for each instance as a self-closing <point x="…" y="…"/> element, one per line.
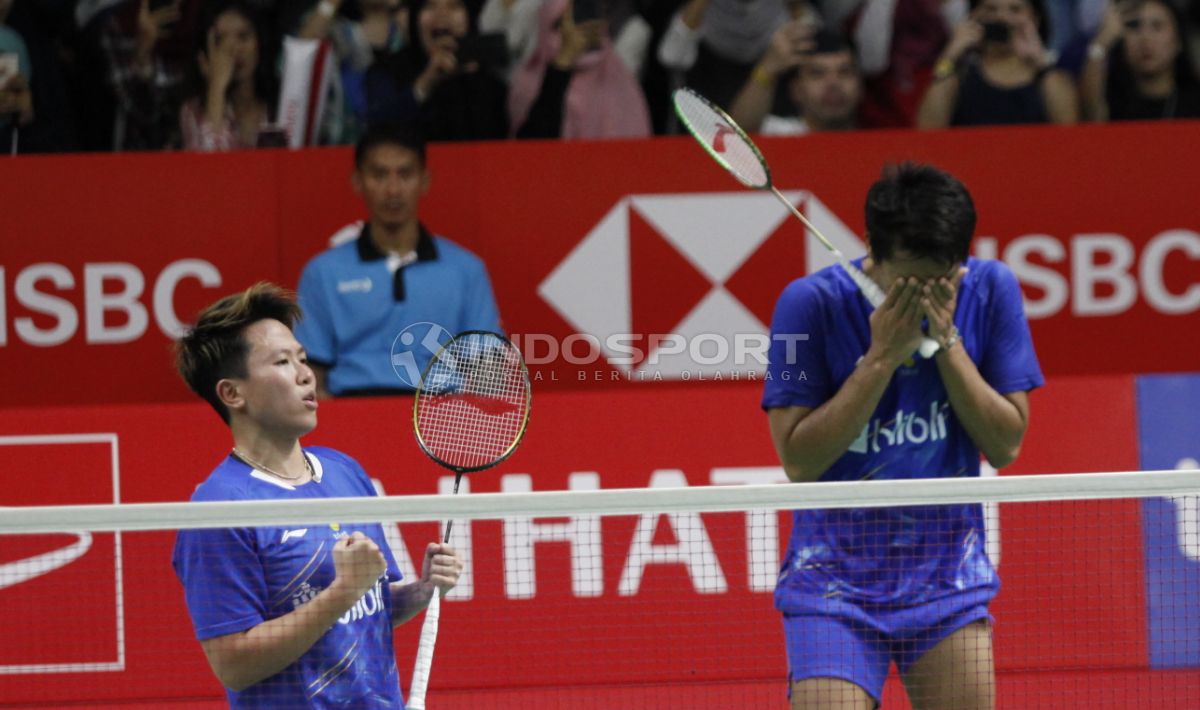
<point x="892" y="556"/>
<point x="376" y="325"/>
<point x="237" y="578"/>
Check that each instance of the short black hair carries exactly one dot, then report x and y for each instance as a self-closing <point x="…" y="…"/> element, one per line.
<point x="215" y="348"/>
<point x="399" y="135"/>
<point x="922" y="210"/>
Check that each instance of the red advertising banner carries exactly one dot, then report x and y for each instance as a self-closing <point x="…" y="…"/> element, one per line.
<point x="613" y="262"/>
<point x="106" y="624"/>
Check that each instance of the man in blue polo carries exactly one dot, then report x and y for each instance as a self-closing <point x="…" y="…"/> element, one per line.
<point x="377" y="306"/>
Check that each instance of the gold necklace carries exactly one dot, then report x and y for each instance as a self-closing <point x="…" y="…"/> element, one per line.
<point x="307" y="466"/>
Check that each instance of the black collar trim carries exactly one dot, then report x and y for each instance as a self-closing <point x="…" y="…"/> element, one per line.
<point x="369" y="251"/>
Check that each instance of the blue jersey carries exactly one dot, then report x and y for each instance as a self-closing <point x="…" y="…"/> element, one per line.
<point x="896" y="556"/>
<point x="237" y="578"/>
<point x="357" y="302"/>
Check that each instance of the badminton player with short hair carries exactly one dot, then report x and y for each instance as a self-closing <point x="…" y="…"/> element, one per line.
<point x="860" y="588"/>
<point x="288" y="616"/>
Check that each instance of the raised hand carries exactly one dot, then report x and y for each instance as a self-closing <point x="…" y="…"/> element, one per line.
<point x="896" y="323"/>
<point x="152" y="27"/>
<point x="1027" y="44"/>
<point x="217" y="64"/>
<point x="968" y="34"/>
<point x="358" y="563"/>
<point x="939" y="299"/>
<point x="788" y="46"/>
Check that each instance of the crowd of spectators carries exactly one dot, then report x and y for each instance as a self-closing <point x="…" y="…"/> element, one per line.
<point x="105" y="75"/>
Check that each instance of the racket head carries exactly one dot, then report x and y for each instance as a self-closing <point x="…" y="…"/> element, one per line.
<point x="722" y="138"/>
<point x="473" y="402"/>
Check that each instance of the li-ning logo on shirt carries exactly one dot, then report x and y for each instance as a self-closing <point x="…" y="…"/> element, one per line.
<point x="362" y="285"/>
<point x="906" y="427"/>
<point x="289" y="534"/>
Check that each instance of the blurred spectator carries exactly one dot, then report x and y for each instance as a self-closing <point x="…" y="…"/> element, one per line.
<point x="1139" y="67"/>
<point x="1072" y="25"/>
<point x="434" y="88"/>
<point x="518" y="21"/>
<point x="149" y="49"/>
<point x="898" y="43"/>
<point x="574" y="85"/>
<point x="361" y="295"/>
<point x="362" y="32"/>
<point x="823" y="85"/>
<point x="716" y="43"/>
<point x="234" y="88"/>
<point x="35" y="107"/>
<point x="995" y="70"/>
<point x="16" y="98"/>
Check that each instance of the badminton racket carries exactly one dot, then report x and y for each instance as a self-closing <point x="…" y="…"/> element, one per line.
<point x="470" y="412"/>
<point x="728" y="144"/>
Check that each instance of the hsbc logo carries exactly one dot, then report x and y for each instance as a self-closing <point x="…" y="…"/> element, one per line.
<point x="684" y="275"/>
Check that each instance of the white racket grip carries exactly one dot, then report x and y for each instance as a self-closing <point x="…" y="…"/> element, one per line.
<point x="424" y="660"/>
<point x="875" y="296"/>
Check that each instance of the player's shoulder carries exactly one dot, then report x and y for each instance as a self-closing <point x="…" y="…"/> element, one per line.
<point x="826" y="285"/>
<point x="989" y="278"/>
<point x="226" y="482"/>
<point x="343" y="249"/>
<point x="337" y="464"/>
<point x="456" y="253"/>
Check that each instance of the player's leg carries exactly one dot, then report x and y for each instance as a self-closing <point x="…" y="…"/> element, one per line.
<point x="834" y="663"/>
<point x="958" y="672"/>
<point x="830" y="694"/>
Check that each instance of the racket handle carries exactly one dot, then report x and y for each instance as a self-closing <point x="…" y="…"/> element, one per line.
<point x="424" y="660"/>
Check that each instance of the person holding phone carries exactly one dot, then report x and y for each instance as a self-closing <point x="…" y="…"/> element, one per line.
<point x="438" y="85"/>
<point x="233" y="88"/>
<point x="996" y="70"/>
<point x="1138" y="66"/>
<point x="574" y="85"/>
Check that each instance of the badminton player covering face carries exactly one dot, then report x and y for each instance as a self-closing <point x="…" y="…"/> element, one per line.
<point x="861" y="588"/>
<point x="288" y="616"/>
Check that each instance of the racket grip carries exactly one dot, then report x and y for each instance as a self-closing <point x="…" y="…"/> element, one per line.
<point x="424" y="660"/>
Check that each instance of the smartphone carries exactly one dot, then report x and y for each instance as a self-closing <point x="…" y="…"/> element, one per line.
<point x="486" y="50"/>
<point x="996" y="32"/>
<point x="10" y="65"/>
<point x="271" y="137"/>
<point x="586" y="10"/>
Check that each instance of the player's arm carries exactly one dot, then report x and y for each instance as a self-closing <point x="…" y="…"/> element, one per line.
<point x="440" y="571"/>
<point x="995" y="422"/>
<point x="242" y="659"/>
<point x="809" y="441"/>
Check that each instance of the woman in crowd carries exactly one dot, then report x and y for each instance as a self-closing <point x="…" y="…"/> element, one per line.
<point x="574" y="85"/>
<point x="1138" y="66"/>
<point x="233" y="89"/>
<point x="996" y="70"/>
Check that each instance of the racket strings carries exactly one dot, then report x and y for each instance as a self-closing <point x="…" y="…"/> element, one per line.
<point x="723" y="139"/>
<point x="473" y="403"/>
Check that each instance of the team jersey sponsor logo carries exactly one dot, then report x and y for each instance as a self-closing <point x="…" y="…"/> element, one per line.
<point x="362" y="285"/>
<point x="904" y="428"/>
<point x="290" y="534"/>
